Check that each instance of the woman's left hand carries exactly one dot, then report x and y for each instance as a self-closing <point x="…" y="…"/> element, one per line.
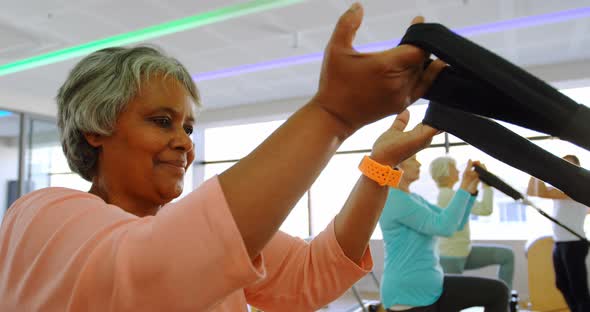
<point x="395" y="145"/>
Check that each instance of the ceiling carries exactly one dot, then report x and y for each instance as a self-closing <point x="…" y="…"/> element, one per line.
<point x="554" y="51"/>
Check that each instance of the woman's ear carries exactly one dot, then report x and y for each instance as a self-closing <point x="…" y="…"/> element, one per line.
<point x="94" y="139"/>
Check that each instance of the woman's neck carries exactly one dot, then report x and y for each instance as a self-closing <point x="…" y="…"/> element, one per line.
<point x="404" y="186"/>
<point x="138" y="207"/>
<point x="447" y="184"/>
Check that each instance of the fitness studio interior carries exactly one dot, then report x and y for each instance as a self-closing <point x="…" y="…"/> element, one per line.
<point x="255" y="64"/>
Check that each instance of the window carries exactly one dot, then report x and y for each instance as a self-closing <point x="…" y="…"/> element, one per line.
<point x="328" y="194"/>
<point x="330" y="191"/>
<point x="580" y="95"/>
<point x="364" y="138"/>
<point x="49" y="167"/>
<point x="235" y="142"/>
<point x="9" y="135"/>
<point x="511" y="220"/>
<point x="225" y="144"/>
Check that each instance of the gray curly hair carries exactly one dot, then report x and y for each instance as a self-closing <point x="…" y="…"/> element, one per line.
<point x="439" y="168"/>
<point x="98" y="89"/>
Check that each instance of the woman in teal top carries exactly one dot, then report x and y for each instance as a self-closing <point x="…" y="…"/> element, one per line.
<point x="413" y="279"/>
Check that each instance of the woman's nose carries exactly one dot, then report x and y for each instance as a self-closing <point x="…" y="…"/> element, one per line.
<point x="182" y="141"/>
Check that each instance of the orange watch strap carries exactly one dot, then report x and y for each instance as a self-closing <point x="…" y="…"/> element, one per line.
<point x="382" y="174"/>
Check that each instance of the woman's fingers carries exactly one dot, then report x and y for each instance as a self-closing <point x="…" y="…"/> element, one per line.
<point x="427" y="78"/>
<point x="346" y="27"/>
<point x="418" y="20"/>
<point x="401" y="121"/>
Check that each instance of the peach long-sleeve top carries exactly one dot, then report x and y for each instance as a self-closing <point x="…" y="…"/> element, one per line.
<point x="66" y="250"/>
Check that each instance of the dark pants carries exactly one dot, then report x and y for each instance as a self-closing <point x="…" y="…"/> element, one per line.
<point x="569" y="261"/>
<point x="461" y="292"/>
<point x="483" y="255"/>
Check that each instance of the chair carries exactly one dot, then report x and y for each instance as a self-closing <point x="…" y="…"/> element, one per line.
<point x="544" y="296"/>
<point x="364" y="304"/>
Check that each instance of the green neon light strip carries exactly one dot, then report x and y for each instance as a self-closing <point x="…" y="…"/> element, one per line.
<point x="155" y="31"/>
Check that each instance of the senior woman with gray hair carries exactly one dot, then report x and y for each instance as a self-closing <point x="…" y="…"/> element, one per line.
<point x="126" y="115"/>
<point x="457" y="253"/>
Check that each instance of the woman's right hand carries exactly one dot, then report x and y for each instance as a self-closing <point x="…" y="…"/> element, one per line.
<point x="360" y="88"/>
<point x="470" y="178"/>
<point x="355" y="89"/>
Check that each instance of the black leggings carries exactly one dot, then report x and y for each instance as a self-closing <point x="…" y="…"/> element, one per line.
<point x="461" y="292"/>
<point x="569" y="261"/>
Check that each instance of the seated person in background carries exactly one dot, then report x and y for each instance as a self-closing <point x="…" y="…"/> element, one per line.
<point x="412" y="278"/>
<point x="569" y="252"/>
<point x="456" y="252"/>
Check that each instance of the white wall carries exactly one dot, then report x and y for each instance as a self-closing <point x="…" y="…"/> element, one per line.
<point x="8" y="169"/>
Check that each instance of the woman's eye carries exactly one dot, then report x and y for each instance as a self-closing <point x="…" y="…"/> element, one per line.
<point x="188" y="130"/>
<point x="162" y="122"/>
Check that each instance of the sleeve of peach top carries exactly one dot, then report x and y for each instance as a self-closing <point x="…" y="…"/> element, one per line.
<point x="89" y="256"/>
<point x="305" y="277"/>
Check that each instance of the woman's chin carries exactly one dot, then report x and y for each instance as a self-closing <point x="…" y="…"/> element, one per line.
<point x="170" y="192"/>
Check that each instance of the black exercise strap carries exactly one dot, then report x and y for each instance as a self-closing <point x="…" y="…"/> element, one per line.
<point x="512" y="149"/>
<point x="480" y="82"/>
<point x="497" y="183"/>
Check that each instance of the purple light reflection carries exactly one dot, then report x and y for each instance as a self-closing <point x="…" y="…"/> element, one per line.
<point x="521" y="22"/>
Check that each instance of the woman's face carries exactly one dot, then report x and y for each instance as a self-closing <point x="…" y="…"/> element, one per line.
<point x="411" y="168"/>
<point x="453" y="173"/>
<point x="150" y="150"/>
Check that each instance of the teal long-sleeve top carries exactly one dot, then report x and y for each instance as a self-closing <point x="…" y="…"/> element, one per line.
<point x="412" y="275"/>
